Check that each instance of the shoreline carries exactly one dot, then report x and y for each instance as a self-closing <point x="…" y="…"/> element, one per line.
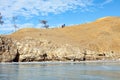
<point x="50" y="62"/>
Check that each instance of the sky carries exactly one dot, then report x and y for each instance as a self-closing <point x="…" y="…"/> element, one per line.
<point x="28" y="13"/>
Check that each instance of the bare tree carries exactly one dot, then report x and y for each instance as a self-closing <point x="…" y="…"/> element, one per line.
<point x="44" y="22"/>
<point x="1" y="22"/>
<point x="14" y="23"/>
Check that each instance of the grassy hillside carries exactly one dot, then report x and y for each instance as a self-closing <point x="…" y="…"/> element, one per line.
<point x="100" y="35"/>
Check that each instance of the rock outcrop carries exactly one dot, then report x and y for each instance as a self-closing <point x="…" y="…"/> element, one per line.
<point x="39" y="49"/>
<point x="7" y="49"/>
<point x="29" y="49"/>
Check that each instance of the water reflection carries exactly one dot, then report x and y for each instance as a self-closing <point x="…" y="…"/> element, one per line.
<point x="8" y="71"/>
<point x="60" y="71"/>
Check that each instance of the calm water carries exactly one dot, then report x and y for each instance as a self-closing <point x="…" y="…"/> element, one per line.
<point x="60" y="71"/>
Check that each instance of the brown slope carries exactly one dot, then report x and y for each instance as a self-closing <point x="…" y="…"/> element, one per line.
<point x="101" y="35"/>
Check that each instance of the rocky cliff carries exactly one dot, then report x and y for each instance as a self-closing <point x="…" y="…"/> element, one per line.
<point x="29" y="49"/>
<point x="8" y="50"/>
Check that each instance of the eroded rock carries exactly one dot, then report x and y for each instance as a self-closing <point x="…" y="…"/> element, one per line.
<point x="29" y="49"/>
<point x="7" y="49"/>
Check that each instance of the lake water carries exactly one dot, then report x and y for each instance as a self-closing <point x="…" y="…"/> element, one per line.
<point x="60" y="71"/>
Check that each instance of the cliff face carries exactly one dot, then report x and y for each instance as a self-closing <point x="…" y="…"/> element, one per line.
<point x="31" y="49"/>
<point x="40" y="49"/>
<point x="8" y="50"/>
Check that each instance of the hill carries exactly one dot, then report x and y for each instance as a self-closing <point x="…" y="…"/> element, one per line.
<point x="103" y="34"/>
<point x="99" y="37"/>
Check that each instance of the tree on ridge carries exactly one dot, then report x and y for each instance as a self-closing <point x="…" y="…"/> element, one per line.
<point x="44" y="22"/>
<point x="1" y="22"/>
<point x="14" y="22"/>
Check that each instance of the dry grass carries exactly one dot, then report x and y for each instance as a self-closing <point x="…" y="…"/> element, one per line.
<point x="101" y="35"/>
